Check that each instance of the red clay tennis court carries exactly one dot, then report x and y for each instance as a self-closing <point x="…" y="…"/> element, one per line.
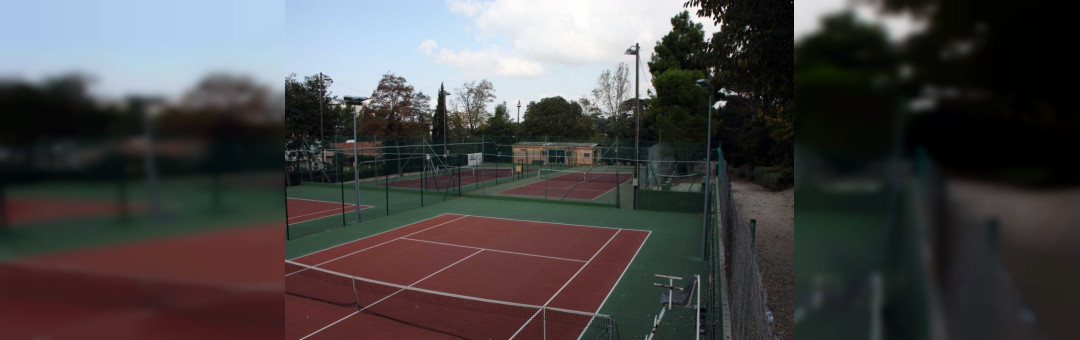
<point x="191" y="286"/>
<point x="443" y="181"/>
<point x="461" y="276"/>
<point x="570" y="184"/>
<point x="30" y="210"/>
<point x="303" y="210"/>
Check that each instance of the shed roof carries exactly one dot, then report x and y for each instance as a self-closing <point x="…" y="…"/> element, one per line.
<point x="581" y="145"/>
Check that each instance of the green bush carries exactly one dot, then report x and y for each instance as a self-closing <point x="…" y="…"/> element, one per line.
<point x="774" y="177"/>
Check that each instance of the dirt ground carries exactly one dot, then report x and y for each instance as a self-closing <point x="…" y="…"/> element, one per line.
<point x="775" y="215"/>
<point x="1040" y="230"/>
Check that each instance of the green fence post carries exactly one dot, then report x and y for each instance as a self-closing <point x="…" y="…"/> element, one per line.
<point x="386" y="188"/>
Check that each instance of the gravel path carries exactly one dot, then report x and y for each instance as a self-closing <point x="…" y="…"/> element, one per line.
<point x="775" y="215"/>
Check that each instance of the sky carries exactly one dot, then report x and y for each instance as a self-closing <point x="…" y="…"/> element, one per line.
<point x="527" y="49"/>
<point x="142" y="47"/>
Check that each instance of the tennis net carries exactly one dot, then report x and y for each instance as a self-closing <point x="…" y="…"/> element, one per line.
<point x="582" y="176"/>
<point x="456" y="315"/>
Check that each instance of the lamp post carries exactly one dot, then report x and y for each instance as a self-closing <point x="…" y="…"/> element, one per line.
<point x="702" y="83"/>
<point x="356" y="157"/>
<point x="322" y="137"/>
<point x="518" y="132"/>
<point x="635" y="50"/>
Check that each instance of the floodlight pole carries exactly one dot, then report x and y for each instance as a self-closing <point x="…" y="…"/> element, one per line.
<point x="356" y="168"/>
<point x="322" y="137"/>
<point x="708" y="164"/>
<point x="356" y="155"/>
<point x="636" y="51"/>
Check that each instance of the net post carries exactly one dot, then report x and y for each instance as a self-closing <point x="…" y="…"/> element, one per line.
<point x="544" y="310"/>
<point x="356" y="292"/>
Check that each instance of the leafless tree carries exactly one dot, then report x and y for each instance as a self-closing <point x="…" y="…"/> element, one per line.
<point x="612" y="88"/>
<point x="473" y="98"/>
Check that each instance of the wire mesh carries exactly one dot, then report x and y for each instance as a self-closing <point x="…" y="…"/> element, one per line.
<point x="750" y="315"/>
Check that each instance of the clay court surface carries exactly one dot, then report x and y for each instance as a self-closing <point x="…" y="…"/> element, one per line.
<point x="21" y="210"/>
<point x="146" y="290"/>
<point x="303" y="210"/>
<point x="571" y="185"/>
<point x="448" y="276"/>
<point x="444" y="181"/>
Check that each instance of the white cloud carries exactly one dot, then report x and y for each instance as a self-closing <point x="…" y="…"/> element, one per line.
<point x="525" y="35"/>
<point x="428" y="47"/>
<point x="489" y="62"/>
<point x="483" y="63"/>
<point x="574" y="32"/>
<point x="467" y="7"/>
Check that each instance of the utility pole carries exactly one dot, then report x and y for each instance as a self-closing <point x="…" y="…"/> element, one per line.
<point x="322" y="137"/>
<point x="636" y="51"/>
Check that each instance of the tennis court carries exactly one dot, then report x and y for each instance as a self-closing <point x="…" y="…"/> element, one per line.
<point x="154" y="289"/>
<point x="303" y="210"/>
<point x="461" y="276"/>
<point x="581" y="185"/>
<point x="23" y="210"/>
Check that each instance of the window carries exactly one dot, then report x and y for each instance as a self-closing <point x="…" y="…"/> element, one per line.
<point x="586" y="154"/>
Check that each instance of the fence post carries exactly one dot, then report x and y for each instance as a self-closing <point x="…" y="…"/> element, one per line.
<point x="386" y="189"/>
<point x="618" y="195"/>
<point x="341" y="184"/>
<point x="422" y="182"/>
<point x="287" y="236"/>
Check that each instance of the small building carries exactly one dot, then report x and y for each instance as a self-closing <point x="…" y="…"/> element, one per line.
<point x="369" y="148"/>
<point x="569" y="154"/>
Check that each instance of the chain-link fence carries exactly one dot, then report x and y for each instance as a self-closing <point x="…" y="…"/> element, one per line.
<point x="331" y="182"/>
<point x="750" y="317"/>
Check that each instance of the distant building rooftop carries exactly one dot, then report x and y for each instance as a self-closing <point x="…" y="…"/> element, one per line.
<point x="581" y="145"/>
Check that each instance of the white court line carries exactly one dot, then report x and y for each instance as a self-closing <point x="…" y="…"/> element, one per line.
<point x="567" y="283"/>
<point x="373" y="235"/>
<point x="612" y="289"/>
<point x="306" y="199"/>
<point x="494" y="250"/>
<point x="337" y="258"/>
<point x="395" y="293"/>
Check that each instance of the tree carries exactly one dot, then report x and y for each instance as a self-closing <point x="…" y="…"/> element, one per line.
<point x="554" y="116"/>
<point x="438" y="122"/>
<point x="679" y="106"/>
<point x="302" y="100"/>
<point x="612" y="88"/>
<point x="682" y="48"/>
<point x="473" y="98"/>
<point x="829" y="73"/>
<point x="752" y="56"/>
<point x="401" y="108"/>
<point x="499" y="124"/>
